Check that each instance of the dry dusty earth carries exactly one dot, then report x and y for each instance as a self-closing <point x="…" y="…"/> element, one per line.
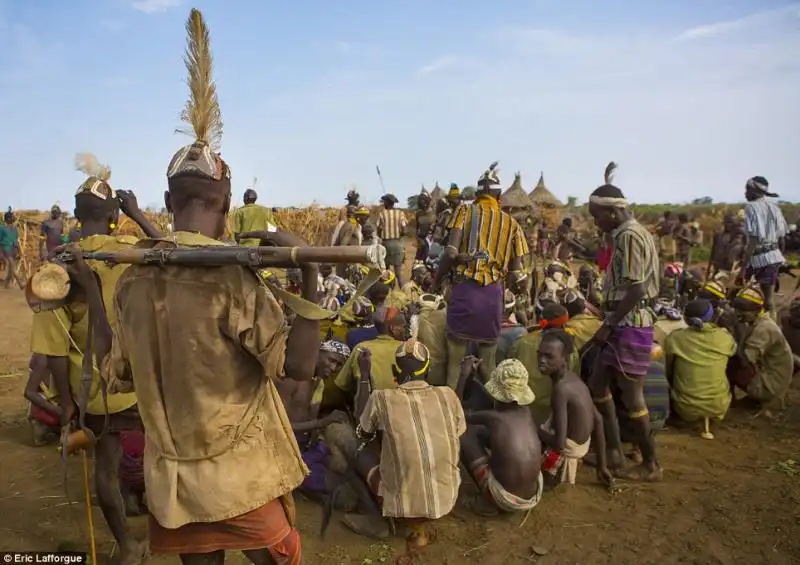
<point x="732" y="500"/>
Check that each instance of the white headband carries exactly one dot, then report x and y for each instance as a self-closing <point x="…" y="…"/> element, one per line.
<point x="609" y="201"/>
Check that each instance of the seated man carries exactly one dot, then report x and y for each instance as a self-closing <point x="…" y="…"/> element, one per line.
<point x="583" y="322"/>
<point x="382" y="350"/>
<point x="696" y="360"/>
<point x="575" y="422"/>
<point x="364" y="328"/>
<point x="526" y="349"/>
<point x="763" y="365"/>
<point x="523" y="310"/>
<point x="324" y="442"/>
<point x="506" y="462"/>
<point x="416" y="476"/>
<point x="413" y="288"/>
<point x="790" y="324"/>
<point x="431" y="327"/>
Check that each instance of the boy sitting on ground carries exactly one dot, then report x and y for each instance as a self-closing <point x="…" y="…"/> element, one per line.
<point x="575" y="422"/>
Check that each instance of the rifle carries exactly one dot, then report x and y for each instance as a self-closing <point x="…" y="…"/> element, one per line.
<point x="267" y="256"/>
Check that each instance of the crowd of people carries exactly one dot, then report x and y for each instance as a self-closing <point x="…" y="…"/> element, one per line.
<point x="211" y="394"/>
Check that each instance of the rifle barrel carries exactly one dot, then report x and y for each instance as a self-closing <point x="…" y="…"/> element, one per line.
<point x="267" y="256"/>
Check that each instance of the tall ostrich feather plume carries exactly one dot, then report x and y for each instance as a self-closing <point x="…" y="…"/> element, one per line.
<point x="611" y="168"/>
<point x="202" y="111"/>
<point x="88" y="164"/>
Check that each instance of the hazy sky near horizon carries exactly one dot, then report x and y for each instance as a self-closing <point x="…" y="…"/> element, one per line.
<point x="690" y="97"/>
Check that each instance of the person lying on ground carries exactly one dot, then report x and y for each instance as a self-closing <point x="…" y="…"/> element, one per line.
<point x="575" y="422"/>
<point x="500" y="450"/>
<point x="416" y="475"/>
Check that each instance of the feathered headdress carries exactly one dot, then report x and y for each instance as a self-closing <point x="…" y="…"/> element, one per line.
<point x="490" y="177"/>
<point x="202" y="112"/>
<point x="97" y="182"/>
<point x="608" y="175"/>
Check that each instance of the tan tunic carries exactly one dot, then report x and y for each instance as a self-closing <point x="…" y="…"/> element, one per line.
<point x="219" y="443"/>
<point x="421" y="427"/>
<point x="767" y="349"/>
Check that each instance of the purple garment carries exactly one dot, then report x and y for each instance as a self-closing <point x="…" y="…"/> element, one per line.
<point x="314" y="457"/>
<point x="766" y="276"/>
<point x="474" y="312"/>
<point x="358" y="335"/>
<point x="628" y="350"/>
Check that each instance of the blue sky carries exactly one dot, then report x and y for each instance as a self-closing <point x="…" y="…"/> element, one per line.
<point x="690" y="97"/>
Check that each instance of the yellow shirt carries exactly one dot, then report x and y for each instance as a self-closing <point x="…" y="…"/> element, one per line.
<point x="383" y="349"/>
<point x="582" y="327"/>
<point x="62" y="332"/>
<point x="252" y="217"/>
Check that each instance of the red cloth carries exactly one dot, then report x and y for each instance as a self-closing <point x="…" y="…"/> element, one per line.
<point x="266" y="527"/>
<point x="45" y="418"/>
<point x="603" y="258"/>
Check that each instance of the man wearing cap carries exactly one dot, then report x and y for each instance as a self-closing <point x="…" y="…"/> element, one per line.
<point x="431" y="327"/>
<point x="763" y="364"/>
<point x="416" y="476"/>
<point x="485" y="247"/>
<point x="61" y="334"/>
<point x="413" y="289"/>
<point x="252" y="217"/>
<point x="506" y="465"/>
<point x="766" y="232"/>
<point x="392" y="226"/>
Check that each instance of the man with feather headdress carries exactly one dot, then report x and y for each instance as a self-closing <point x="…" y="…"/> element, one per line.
<point x="485" y="246"/>
<point x="625" y="340"/>
<point x="221" y="459"/>
<point x="60" y="335"/>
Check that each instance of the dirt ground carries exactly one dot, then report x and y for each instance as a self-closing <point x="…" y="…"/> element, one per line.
<point x="731" y="500"/>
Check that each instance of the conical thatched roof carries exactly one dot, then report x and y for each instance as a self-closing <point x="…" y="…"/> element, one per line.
<point x="515" y="196"/>
<point x="437" y="193"/>
<point x="541" y="196"/>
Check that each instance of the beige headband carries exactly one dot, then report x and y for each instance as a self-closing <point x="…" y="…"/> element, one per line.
<point x="609" y="201"/>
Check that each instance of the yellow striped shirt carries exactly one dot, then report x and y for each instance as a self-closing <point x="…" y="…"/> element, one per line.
<point x="499" y="235"/>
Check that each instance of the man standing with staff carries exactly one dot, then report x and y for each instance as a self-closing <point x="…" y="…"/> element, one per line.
<point x="626" y="337"/>
<point x="485" y="246"/>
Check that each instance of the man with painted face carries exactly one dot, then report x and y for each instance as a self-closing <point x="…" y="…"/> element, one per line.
<point x="625" y="339"/>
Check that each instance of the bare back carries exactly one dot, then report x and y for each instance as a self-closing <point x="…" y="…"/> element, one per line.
<point x="516" y="459"/>
<point x="52" y="231"/>
<point x="580" y="407"/>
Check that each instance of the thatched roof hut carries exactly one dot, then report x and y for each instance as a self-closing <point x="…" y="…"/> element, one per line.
<point x="541" y="196"/>
<point x="515" y="197"/>
<point x="437" y="193"/>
